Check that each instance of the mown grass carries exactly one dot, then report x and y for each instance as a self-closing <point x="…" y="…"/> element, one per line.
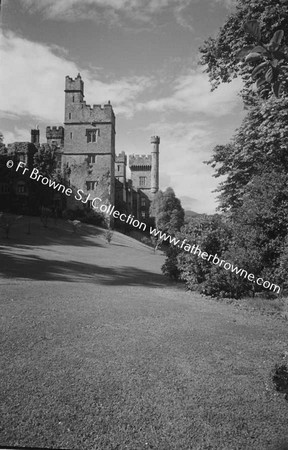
<point x="98" y="352"/>
<point x="277" y="307"/>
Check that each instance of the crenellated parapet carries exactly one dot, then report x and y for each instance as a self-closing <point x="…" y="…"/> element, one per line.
<point x="155" y="140"/>
<point x="76" y="108"/>
<point x="96" y="113"/>
<point x="55" y="132"/>
<point x="74" y="85"/>
<point x="140" y="162"/>
<point x="55" y="136"/>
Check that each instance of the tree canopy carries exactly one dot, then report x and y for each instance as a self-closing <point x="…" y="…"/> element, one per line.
<point x="252" y="231"/>
<point x="220" y="54"/>
<point x="167" y="210"/>
<point x="45" y="160"/>
<point x="259" y="145"/>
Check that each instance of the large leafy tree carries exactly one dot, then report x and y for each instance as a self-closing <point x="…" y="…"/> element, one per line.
<point x="211" y="234"/>
<point x="167" y="210"/>
<point x="45" y="160"/>
<point x="253" y="166"/>
<point x="259" y="145"/>
<point x="221" y="55"/>
<point x="260" y="225"/>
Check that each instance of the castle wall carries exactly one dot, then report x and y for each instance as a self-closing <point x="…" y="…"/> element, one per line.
<point x="55" y="136"/>
<point x="120" y="167"/>
<point x="140" y="166"/>
<point x="76" y="139"/>
<point x="93" y="179"/>
<point x="89" y="146"/>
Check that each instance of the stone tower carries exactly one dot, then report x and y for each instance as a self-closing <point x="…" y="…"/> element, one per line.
<point x="145" y="170"/>
<point x="120" y="167"/>
<point x="140" y="167"/>
<point x="89" y="145"/>
<point x="55" y="136"/>
<point x="155" y="141"/>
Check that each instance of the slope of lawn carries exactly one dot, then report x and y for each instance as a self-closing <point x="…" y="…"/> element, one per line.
<point x="100" y="352"/>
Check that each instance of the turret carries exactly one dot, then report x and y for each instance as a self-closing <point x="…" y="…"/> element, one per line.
<point x="74" y="96"/>
<point x="120" y="167"/>
<point x="75" y="86"/>
<point x="155" y="141"/>
<point x="55" y="136"/>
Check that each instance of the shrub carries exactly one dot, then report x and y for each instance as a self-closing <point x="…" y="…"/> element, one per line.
<point x="108" y="235"/>
<point x="170" y="267"/>
<point x="93" y="218"/>
<point x="280" y="378"/>
<point x="85" y="215"/>
<point x="69" y="214"/>
<point x="6" y="222"/>
<point x="212" y="235"/>
<point x="146" y="240"/>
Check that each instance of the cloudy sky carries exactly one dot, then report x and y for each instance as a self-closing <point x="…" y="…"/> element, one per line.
<point x="142" y="56"/>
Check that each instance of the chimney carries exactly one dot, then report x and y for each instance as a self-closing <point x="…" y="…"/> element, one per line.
<point x="35" y="136"/>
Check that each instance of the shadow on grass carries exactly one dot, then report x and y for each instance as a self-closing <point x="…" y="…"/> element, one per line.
<point x="35" y="268"/>
<point x="60" y="233"/>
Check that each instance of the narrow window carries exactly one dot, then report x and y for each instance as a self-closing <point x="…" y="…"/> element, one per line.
<point x="70" y="116"/>
<point x="90" y="185"/>
<point x="92" y="135"/>
<point x="73" y="99"/>
<point x="91" y="159"/>
<point x="71" y="135"/>
<point x="21" y="188"/>
<point x="142" y="181"/>
<point x="5" y="188"/>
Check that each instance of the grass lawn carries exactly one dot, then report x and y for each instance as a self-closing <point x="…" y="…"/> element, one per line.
<point x="100" y="352"/>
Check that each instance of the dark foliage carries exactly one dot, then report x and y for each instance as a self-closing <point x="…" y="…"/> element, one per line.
<point x="221" y="55"/>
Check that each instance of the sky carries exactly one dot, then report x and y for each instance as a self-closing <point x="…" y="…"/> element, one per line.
<point x="143" y="56"/>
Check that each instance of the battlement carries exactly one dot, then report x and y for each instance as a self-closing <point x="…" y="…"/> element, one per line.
<point x="76" y="85"/>
<point x="140" y="161"/>
<point x="55" y="132"/>
<point x="121" y="158"/>
<point x="98" y="108"/>
<point x="93" y="113"/>
<point x="155" y="140"/>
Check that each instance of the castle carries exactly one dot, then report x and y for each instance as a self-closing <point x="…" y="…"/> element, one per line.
<point x="85" y="149"/>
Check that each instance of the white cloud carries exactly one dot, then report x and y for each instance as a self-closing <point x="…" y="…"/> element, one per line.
<point x="33" y="76"/>
<point x="17" y="135"/>
<point x="113" y="11"/>
<point x="183" y="148"/>
<point x="191" y="93"/>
